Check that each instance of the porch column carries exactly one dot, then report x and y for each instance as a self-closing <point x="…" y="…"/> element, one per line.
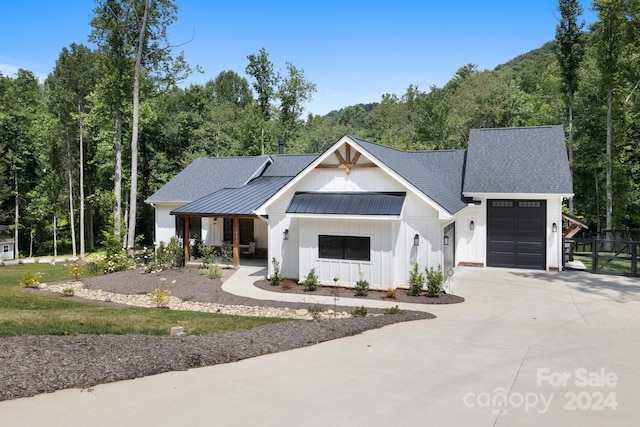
<point x="236" y="242"/>
<point x="187" y="238"/>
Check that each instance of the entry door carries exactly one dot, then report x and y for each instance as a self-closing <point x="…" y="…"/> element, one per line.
<point x="516" y="233"/>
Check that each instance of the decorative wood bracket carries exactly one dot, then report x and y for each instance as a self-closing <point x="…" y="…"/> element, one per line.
<point x="348" y="163"/>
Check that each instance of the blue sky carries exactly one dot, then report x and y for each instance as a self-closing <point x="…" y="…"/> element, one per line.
<point x="354" y="51"/>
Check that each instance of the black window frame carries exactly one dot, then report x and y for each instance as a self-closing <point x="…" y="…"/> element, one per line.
<point x="247" y="230"/>
<point x="195" y="227"/>
<point x="349" y="248"/>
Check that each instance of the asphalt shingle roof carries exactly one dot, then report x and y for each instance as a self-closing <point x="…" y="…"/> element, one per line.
<point x="518" y="160"/>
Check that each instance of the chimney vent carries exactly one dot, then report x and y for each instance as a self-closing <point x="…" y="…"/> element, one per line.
<point x="281" y="147"/>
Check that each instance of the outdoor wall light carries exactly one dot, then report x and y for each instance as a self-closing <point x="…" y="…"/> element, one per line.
<point x="472" y="226"/>
<point x="416" y="240"/>
<point x="554" y="227"/>
<point x="285" y="235"/>
<point x="446" y="240"/>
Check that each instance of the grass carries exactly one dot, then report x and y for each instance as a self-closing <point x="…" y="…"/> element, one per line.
<point x="621" y="266"/>
<point x="25" y="313"/>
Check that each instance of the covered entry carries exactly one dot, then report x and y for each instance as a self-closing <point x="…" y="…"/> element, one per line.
<point x="516" y="233"/>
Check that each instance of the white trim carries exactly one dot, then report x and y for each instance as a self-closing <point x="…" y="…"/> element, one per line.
<point x="530" y="196"/>
<point x="341" y="216"/>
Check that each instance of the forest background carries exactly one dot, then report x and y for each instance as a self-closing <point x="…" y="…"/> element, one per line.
<point x="82" y="150"/>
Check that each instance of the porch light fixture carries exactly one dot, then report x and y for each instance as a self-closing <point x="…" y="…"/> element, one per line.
<point x="416" y="240"/>
<point x="554" y="227"/>
<point x="285" y="235"/>
<point x="446" y="240"/>
<point x="472" y="226"/>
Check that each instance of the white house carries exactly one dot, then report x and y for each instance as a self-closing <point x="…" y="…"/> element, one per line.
<point x="363" y="209"/>
<point x="6" y="248"/>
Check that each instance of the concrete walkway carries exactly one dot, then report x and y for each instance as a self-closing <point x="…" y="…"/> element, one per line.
<point x="525" y="349"/>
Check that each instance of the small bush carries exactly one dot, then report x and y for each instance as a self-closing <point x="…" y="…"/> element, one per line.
<point x="208" y="255"/>
<point x="434" y="281"/>
<point x="75" y="270"/>
<point x="170" y="255"/>
<point x="68" y="292"/>
<point x="416" y="280"/>
<point x="115" y="257"/>
<point x="360" y="312"/>
<point x="160" y="297"/>
<point x="315" y="310"/>
<point x="311" y="281"/>
<point x="213" y="272"/>
<point x="362" y="287"/>
<point x="31" y="279"/>
<point x="391" y="293"/>
<point x="276" y="278"/>
<point x="92" y="268"/>
<point x="393" y="310"/>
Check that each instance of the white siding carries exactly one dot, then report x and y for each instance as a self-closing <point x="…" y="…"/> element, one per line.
<point x="165" y="222"/>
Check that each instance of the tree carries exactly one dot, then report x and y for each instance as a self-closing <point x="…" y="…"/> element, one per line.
<point x="265" y="81"/>
<point x="293" y="92"/>
<point x="570" y="52"/>
<point x="229" y="88"/>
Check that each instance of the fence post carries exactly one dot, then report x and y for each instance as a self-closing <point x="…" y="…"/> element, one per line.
<point x="634" y="259"/>
<point x="594" y="256"/>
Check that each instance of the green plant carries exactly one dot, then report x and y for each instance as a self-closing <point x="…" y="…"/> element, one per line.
<point x="160" y="297"/>
<point x="68" y="292"/>
<point x="207" y="255"/>
<point x="434" y="281"/>
<point x="311" y="281"/>
<point x="115" y="258"/>
<point x="360" y="312"/>
<point x="213" y="272"/>
<point x="226" y="254"/>
<point x="362" y="286"/>
<point x="315" y="310"/>
<point x="196" y="245"/>
<point x="393" y="310"/>
<point x="416" y="280"/>
<point x="92" y="268"/>
<point x="276" y="278"/>
<point x="75" y="270"/>
<point x="170" y="255"/>
<point x="31" y="279"/>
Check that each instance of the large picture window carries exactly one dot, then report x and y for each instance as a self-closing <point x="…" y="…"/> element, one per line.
<point x="344" y="247"/>
<point x="246" y="230"/>
<point x="195" y="227"/>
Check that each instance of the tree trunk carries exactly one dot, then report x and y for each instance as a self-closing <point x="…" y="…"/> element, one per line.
<point x="82" y="233"/>
<point x="571" y="145"/>
<point x="117" y="175"/>
<point x="72" y="221"/>
<point x="55" y="235"/>
<point x="16" y="223"/>
<point x="134" y="131"/>
<point x="609" y="178"/>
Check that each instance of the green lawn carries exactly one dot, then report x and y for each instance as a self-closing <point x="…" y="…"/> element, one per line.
<point x="607" y="263"/>
<point x="23" y="313"/>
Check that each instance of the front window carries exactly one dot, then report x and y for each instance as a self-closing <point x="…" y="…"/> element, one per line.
<point x="344" y="247"/>
<point x="5" y="248"/>
<point x="195" y="227"/>
<point x="246" y="230"/>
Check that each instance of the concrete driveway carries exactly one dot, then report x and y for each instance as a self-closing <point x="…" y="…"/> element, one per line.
<point x="525" y="349"/>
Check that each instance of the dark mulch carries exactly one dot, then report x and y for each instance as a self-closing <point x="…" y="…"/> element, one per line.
<point x="30" y="365"/>
<point x="401" y="295"/>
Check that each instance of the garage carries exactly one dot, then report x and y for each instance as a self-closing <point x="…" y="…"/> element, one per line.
<point x="516" y="234"/>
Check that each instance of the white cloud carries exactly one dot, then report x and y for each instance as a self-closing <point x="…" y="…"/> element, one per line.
<point x="8" y="69"/>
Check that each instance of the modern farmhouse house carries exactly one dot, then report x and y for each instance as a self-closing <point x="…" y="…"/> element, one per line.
<point x="361" y="208"/>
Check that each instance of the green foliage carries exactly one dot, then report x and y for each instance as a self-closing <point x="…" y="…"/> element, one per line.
<point x="416" y="280"/>
<point x="75" y="270"/>
<point x="31" y="279"/>
<point x="362" y="287"/>
<point x="212" y="272"/>
<point x="196" y="246"/>
<point x="315" y="310"/>
<point x="115" y="258"/>
<point x="208" y="255"/>
<point x="68" y="292"/>
<point x="434" y="281"/>
<point x="276" y="277"/>
<point x="359" y="312"/>
<point x="160" y="297"/>
<point x="310" y="281"/>
<point x="171" y="255"/>
<point x="394" y="310"/>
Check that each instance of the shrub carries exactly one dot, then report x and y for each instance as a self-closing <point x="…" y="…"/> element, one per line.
<point x="416" y="280"/>
<point x="315" y="310"/>
<point x="276" y="278"/>
<point x="92" y="268"/>
<point x="359" y="312"/>
<point x="311" y="281"/>
<point x="390" y="293"/>
<point x="196" y="246"/>
<point x="434" y="281"/>
<point x="207" y="254"/>
<point x="115" y="257"/>
<point x="226" y="254"/>
<point x="160" y="297"/>
<point x="362" y="287"/>
<point x="75" y="270"/>
<point x="393" y="310"/>
<point x="68" y="292"/>
<point x="170" y="255"/>
<point x="213" y="272"/>
<point x="31" y="279"/>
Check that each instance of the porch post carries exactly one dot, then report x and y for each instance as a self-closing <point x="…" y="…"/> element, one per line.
<point x="236" y="242"/>
<point x="187" y="238"/>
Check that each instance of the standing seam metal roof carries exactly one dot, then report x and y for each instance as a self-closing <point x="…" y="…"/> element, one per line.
<point x="347" y="203"/>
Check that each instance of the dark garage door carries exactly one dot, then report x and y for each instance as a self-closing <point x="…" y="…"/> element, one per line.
<point x="516" y="233"/>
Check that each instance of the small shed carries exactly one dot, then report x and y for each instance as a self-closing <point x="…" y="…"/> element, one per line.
<point x="7" y="245"/>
